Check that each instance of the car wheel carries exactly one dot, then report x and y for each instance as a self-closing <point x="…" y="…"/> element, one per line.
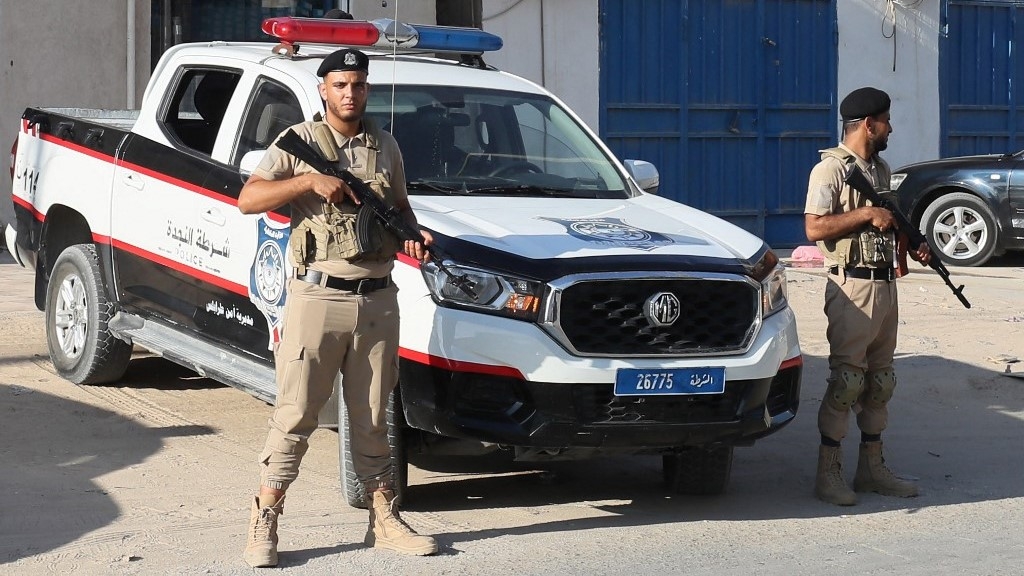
<point x="961" y="228"/>
<point x="698" y="471"/>
<point x="351" y="487"/>
<point x="78" y="312"/>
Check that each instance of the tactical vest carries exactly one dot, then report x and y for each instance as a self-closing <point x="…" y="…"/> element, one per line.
<point x="348" y="232"/>
<point x="868" y="248"/>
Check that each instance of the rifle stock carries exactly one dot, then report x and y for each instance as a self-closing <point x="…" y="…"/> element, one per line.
<point x="392" y="219"/>
<point x="856" y="180"/>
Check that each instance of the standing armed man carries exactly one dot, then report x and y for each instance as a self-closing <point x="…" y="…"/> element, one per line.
<point x="341" y="313"/>
<point x="860" y="248"/>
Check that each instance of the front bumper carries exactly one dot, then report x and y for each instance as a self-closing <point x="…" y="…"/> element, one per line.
<point x="516" y="412"/>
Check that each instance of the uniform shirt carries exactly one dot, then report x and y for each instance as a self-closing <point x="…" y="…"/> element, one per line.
<point x="352" y="155"/>
<point x="828" y="194"/>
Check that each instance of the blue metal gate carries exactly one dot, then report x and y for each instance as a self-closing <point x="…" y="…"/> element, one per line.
<point x="980" y="70"/>
<point x="731" y="99"/>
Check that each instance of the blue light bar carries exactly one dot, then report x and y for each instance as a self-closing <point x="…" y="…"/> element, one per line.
<point x="382" y="33"/>
<point x="452" y="39"/>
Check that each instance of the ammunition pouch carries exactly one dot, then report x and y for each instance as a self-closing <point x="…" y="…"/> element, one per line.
<point x="877" y="249"/>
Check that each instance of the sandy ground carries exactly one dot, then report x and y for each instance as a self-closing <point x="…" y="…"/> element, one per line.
<point x="154" y="475"/>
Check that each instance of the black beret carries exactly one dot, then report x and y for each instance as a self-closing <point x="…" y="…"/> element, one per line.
<point x="344" y="60"/>
<point x="864" y="102"/>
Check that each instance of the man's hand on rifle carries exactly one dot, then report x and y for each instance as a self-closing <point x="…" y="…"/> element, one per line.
<point x="418" y="250"/>
<point x="331" y="189"/>
<point x="881" y="218"/>
<point x="923" y="254"/>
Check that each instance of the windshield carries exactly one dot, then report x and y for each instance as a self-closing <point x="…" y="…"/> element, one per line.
<point x="458" y="140"/>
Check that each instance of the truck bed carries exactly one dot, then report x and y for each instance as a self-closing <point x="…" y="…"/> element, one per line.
<point x="119" y="119"/>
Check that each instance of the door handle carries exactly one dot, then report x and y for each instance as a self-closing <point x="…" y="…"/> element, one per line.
<point x="133" y="180"/>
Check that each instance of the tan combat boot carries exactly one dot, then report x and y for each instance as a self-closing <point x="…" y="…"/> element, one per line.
<point x="829" y="485"/>
<point x="261" y="546"/>
<point x="874" y="476"/>
<point x="387" y="529"/>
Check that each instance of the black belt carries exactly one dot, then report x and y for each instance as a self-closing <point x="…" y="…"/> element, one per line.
<point x="361" y="286"/>
<point x="887" y="274"/>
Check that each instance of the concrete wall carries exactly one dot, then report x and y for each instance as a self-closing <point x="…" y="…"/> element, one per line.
<point x="68" y="53"/>
<point x="553" y="43"/>
<point x="866" y="58"/>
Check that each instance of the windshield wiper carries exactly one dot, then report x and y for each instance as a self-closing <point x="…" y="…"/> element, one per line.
<point x="526" y="190"/>
<point x="434" y="187"/>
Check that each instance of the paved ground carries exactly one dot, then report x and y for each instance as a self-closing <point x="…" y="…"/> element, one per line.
<point x="153" y="475"/>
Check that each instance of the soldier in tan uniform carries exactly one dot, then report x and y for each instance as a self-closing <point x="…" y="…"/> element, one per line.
<point x="861" y="250"/>
<point x="341" y="313"/>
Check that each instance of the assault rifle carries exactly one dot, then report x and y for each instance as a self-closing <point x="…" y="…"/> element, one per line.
<point x="389" y="216"/>
<point x="855" y="178"/>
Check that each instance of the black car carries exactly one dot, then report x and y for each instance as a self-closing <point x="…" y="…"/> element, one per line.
<point x="970" y="208"/>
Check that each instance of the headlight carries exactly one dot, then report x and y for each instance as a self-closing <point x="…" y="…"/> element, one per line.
<point x="895" y="180"/>
<point x="495" y="293"/>
<point x="772" y="275"/>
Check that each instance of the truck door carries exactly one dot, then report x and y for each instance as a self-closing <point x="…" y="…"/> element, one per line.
<point x="175" y="232"/>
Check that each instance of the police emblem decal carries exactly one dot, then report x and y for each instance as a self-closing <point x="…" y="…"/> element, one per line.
<point x="662" y="309"/>
<point x="268" y="273"/>
<point x="612" y="231"/>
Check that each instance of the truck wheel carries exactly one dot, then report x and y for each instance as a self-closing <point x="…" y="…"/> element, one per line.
<point x="698" y="471"/>
<point x="82" y="347"/>
<point x="352" y="489"/>
<point x="961" y="228"/>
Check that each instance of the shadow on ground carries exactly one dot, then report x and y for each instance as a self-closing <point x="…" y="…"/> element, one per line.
<point x="80" y="443"/>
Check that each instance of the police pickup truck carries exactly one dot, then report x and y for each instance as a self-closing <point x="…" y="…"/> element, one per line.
<point x="604" y="320"/>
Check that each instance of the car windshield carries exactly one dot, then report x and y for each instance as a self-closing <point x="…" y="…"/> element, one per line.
<point x="463" y="141"/>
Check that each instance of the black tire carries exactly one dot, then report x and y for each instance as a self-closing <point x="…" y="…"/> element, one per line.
<point x="78" y="313"/>
<point x="961" y="229"/>
<point x="352" y="489"/>
<point x="698" y="471"/>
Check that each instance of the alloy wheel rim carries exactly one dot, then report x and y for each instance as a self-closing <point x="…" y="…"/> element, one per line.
<point x="71" y="318"/>
<point x="960" y="233"/>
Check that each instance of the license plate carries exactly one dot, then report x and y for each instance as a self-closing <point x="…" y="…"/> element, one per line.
<point x="639" y="382"/>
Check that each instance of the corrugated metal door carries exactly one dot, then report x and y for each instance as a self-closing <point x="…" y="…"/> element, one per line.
<point x="731" y="99"/>
<point x="980" y="69"/>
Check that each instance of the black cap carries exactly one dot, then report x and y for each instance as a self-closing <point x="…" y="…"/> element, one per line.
<point x="344" y="60"/>
<point x="864" y="102"/>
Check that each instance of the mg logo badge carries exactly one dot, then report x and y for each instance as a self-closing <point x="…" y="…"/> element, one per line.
<point x="662" y="309"/>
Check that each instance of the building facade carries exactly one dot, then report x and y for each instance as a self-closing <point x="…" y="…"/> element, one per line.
<point x="731" y="100"/>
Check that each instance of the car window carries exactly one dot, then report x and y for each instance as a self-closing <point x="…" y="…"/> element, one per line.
<point x="196" y="108"/>
<point x="271" y="110"/>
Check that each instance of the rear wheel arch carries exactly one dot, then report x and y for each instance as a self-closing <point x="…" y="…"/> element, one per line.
<point x="63" y="227"/>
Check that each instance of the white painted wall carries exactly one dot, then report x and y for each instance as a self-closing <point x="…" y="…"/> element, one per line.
<point x="553" y="43"/>
<point x="866" y="58"/>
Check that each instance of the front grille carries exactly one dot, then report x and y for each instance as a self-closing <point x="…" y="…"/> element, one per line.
<point x="606" y="317"/>
<point x="597" y="405"/>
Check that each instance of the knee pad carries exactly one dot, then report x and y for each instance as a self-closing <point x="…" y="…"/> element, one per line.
<point x="881" y="384"/>
<point x="844" y="388"/>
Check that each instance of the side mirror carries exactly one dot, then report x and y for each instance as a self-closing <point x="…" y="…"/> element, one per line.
<point x="249" y="162"/>
<point x="645" y="175"/>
